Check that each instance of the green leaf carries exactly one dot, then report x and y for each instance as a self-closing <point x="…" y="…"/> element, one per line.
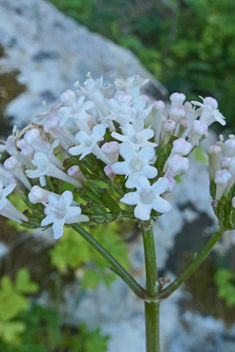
<point x="91" y="279"/>
<point x="23" y="283"/>
<point x="10" y="331"/>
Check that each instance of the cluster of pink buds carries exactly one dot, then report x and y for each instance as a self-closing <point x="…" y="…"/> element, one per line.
<point x="99" y="133"/>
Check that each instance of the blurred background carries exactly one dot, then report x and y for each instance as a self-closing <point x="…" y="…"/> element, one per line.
<point x="58" y="297"/>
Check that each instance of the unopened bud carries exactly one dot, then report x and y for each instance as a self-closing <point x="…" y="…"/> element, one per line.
<point x="213" y="152"/>
<point x="75" y="172"/>
<point x="176" y="114"/>
<point x="68" y="97"/>
<point x="177" y="100"/>
<point x="109" y="172"/>
<point x="111" y="149"/>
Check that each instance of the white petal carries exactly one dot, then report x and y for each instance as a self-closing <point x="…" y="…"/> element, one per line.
<point x="160" y="186"/>
<point x="48" y="219"/>
<point x="143" y="211"/>
<point x="120" y="168"/>
<point x="142" y="182"/>
<point x="58" y="228"/>
<point x="72" y="211"/>
<point x="76" y="219"/>
<point x="146" y="154"/>
<point x="127" y="152"/>
<point x="130" y="198"/>
<point x="76" y="150"/>
<point x="149" y="171"/>
<point x="161" y="205"/>
<point x="66" y="198"/>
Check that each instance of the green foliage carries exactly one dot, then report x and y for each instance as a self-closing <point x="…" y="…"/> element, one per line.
<point x="225" y="280"/>
<point x="187" y="45"/>
<point x="72" y="251"/>
<point x="12" y="302"/>
<point x="199" y="154"/>
<point x="43" y="333"/>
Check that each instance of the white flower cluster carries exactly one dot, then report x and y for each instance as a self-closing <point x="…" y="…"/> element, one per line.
<point x="222" y="166"/>
<point x="108" y="123"/>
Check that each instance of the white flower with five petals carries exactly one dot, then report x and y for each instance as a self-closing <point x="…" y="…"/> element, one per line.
<point x="148" y="197"/>
<point x="60" y="212"/>
<point x="136" y="139"/>
<point x="136" y="163"/>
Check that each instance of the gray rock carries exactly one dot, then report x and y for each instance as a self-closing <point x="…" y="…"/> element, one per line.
<point x="52" y="51"/>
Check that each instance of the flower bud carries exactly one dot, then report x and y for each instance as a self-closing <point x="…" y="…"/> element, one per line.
<point x="109" y="172"/>
<point x="177" y="100"/>
<point x="229" y="147"/>
<point x="176" y="165"/>
<point x="158" y="107"/>
<point x="184" y="125"/>
<point x="213" y="152"/>
<point x="68" y="97"/>
<point x="75" y="172"/>
<point x="221" y="179"/>
<point x="181" y="147"/>
<point x="38" y="195"/>
<point x="225" y="162"/>
<point x="111" y="149"/>
<point x="197" y="131"/>
<point x="211" y="102"/>
<point x="169" y="127"/>
<point x="176" y="114"/>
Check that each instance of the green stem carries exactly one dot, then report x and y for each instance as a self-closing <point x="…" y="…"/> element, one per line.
<point x="191" y="268"/>
<point x="116" y="266"/>
<point x="151" y="308"/>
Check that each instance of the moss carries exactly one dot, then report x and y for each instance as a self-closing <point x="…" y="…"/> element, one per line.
<point x="10" y="88"/>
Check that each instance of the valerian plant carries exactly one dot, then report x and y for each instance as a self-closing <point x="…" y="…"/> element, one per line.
<point x="92" y="159"/>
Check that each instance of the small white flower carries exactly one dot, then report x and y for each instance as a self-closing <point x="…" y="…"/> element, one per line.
<point x="6" y="208"/>
<point x="9" y="145"/>
<point x="199" y="128"/>
<point x="213" y="152"/>
<point x="210" y="113"/>
<point x="88" y="143"/>
<point x="148" y="197"/>
<point x="46" y="168"/>
<point x="59" y="132"/>
<point x="13" y="165"/>
<point x="136" y="139"/>
<point x="131" y="85"/>
<point x="76" y="110"/>
<point x="60" y="212"/>
<point x="135" y="164"/>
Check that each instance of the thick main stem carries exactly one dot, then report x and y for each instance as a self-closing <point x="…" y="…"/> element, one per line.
<point x="151" y="308"/>
<point x="116" y="266"/>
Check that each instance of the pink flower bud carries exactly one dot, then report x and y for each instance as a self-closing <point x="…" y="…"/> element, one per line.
<point x="177" y="99"/>
<point x="109" y="172"/>
<point x="181" y="147"/>
<point x="158" y="105"/>
<point x="222" y="177"/>
<point x="75" y="172"/>
<point x="111" y="149"/>
<point x="169" y="125"/>
<point x="21" y="144"/>
<point x="211" y="102"/>
<point x="10" y="163"/>
<point x="176" y="114"/>
<point x="214" y="203"/>
<point x="176" y="165"/>
<point x="38" y="195"/>
<point x="225" y="162"/>
<point x="68" y="97"/>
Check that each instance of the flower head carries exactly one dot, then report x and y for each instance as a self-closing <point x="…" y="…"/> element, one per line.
<point x="60" y="212"/>
<point x="148" y="197"/>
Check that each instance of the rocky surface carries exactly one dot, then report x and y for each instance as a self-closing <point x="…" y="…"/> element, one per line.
<point x="51" y="52"/>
